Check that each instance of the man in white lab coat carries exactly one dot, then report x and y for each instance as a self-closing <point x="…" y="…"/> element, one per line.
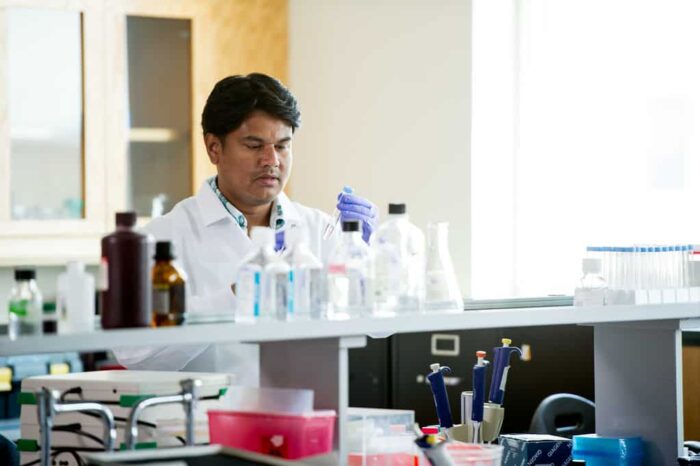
<point x="248" y="124"/>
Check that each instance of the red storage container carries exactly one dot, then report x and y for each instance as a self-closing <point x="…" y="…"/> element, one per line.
<point x="290" y="436"/>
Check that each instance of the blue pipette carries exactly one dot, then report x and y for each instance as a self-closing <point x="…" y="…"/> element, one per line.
<point x="442" y="403"/>
<point x="479" y="395"/>
<point x="501" y="365"/>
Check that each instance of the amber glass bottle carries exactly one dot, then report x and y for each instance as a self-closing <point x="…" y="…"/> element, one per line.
<point x="168" y="288"/>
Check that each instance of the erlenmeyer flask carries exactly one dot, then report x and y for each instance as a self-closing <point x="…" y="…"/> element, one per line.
<point x="442" y="291"/>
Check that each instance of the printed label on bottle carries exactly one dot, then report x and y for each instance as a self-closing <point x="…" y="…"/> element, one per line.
<point x="103" y="275"/>
<point x="161" y="300"/>
<point x="177" y="299"/>
<point x="19" y="308"/>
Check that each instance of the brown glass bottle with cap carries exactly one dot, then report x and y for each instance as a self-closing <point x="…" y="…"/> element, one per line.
<point x="168" y="288"/>
<point x="125" y="281"/>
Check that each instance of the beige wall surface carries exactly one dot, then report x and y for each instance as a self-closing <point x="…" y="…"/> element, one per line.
<point x="384" y="89"/>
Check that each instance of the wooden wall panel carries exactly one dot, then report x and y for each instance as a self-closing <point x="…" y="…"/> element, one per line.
<point x="236" y="37"/>
<point x="691" y="392"/>
<point x="228" y="37"/>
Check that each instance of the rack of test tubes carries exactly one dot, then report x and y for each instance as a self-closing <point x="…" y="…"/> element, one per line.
<point x="649" y="274"/>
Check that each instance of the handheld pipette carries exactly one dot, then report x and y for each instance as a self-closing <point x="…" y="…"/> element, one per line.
<point x="336" y="215"/>
<point x="442" y="404"/>
<point x="478" y="396"/>
<point x="501" y="365"/>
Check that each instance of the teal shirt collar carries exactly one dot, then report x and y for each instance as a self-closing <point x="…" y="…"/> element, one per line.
<point x="277" y="219"/>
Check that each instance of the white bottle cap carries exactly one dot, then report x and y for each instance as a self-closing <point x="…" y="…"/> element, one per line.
<point x="591" y="265"/>
<point x="262" y="236"/>
<point x="74" y="267"/>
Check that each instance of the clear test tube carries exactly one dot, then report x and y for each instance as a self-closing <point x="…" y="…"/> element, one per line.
<point x="678" y="263"/>
<point x="655" y="263"/>
<point x="690" y="279"/>
<point x="666" y="267"/>
<point x="645" y="280"/>
<point x="637" y="267"/>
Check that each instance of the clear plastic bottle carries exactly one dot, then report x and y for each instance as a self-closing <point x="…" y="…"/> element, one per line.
<point x="25" y="305"/>
<point x="308" y="278"/>
<point x="75" y="301"/>
<point x="275" y="283"/>
<point x="399" y="258"/>
<point x="248" y="278"/>
<point x="350" y="274"/>
<point x="592" y="289"/>
<point x="441" y="287"/>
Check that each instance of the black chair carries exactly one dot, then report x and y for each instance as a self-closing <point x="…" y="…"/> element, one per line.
<point x="565" y="415"/>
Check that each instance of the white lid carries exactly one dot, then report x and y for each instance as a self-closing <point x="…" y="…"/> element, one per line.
<point x="591" y="265"/>
<point x="74" y="267"/>
<point x="262" y="236"/>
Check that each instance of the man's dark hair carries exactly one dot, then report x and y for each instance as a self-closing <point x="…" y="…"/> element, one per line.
<point x="234" y="98"/>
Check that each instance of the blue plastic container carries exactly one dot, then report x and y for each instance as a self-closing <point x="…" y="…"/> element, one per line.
<point x="607" y="451"/>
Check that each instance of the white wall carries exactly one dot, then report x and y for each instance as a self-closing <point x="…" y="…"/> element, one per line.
<point x="384" y="89"/>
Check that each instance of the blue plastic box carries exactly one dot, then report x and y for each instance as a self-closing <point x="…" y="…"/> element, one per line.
<point x="609" y="451"/>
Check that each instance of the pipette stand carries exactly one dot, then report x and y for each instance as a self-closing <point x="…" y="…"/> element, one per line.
<point x="490" y="427"/>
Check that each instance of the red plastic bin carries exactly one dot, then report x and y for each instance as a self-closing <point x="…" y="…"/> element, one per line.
<point x="290" y="436"/>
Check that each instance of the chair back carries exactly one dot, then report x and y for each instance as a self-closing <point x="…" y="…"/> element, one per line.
<point x="565" y="415"/>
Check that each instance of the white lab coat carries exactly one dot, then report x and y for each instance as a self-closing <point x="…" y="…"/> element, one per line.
<point x="209" y="246"/>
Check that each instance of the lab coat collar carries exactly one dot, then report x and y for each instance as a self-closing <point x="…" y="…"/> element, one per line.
<point x="213" y="211"/>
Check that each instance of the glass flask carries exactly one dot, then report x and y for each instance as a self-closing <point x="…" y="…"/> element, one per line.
<point x="441" y="288"/>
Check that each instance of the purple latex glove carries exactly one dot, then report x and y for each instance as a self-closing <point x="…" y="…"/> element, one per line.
<point x="353" y="207"/>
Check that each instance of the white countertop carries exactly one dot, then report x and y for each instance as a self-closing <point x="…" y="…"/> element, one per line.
<point x="372" y="326"/>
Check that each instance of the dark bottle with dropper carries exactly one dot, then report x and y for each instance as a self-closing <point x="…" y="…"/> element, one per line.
<point x="125" y="298"/>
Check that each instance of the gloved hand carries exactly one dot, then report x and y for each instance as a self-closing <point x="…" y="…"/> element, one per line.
<point x="353" y="207"/>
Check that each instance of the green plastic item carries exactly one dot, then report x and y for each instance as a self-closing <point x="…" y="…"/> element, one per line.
<point x="27" y="445"/>
<point x="26" y="398"/>
<point x="128" y="401"/>
<point x="140" y="446"/>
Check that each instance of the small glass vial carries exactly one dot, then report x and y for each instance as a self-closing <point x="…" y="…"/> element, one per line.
<point x="25" y="305"/>
<point x="168" y="288"/>
<point x="592" y="289"/>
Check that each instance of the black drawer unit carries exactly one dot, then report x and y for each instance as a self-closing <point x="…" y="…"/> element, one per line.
<point x="390" y="373"/>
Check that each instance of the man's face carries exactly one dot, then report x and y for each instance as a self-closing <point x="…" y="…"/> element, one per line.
<point x="253" y="162"/>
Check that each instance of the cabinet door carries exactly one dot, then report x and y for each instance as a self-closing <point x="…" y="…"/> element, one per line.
<point x="51" y="169"/>
<point x="151" y="73"/>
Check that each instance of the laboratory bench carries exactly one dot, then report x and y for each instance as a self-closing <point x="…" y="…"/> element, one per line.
<point x="637" y="357"/>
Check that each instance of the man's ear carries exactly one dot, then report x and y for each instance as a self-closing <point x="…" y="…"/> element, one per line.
<point x="214" y="147"/>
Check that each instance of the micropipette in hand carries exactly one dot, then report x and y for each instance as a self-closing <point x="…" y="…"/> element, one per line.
<point x="330" y="228"/>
